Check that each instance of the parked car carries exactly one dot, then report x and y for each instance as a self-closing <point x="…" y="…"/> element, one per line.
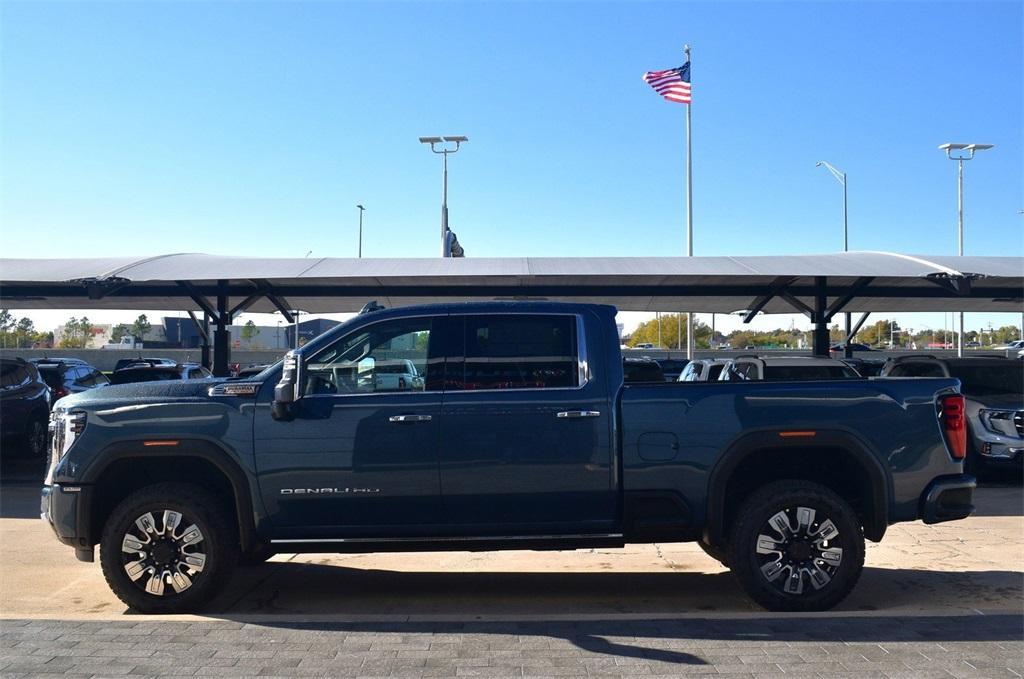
<point x="783" y="482"/>
<point x="672" y="367"/>
<point x="840" y="347"/>
<point x="641" y="370"/>
<point x="703" y="370"/>
<point x="125" y="362"/>
<point x="1016" y="345"/>
<point x="865" y="367"/>
<point x="69" y="376"/>
<point x="144" y="372"/>
<point x="251" y="370"/>
<point x="994" y="391"/>
<point x="24" y="408"/>
<point x="787" y="368"/>
<point x="396" y="375"/>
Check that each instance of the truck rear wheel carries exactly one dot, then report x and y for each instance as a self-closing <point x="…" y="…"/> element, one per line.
<point x="797" y="546"/>
<point x="168" y="548"/>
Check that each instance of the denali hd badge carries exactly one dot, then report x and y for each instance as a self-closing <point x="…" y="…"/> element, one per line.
<point x="327" y="491"/>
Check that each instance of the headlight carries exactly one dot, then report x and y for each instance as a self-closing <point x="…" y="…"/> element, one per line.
<point x="999" y="422"/>
<point x="67" y="427"/>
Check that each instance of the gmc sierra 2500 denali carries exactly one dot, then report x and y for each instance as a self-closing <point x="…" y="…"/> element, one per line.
<point x="518" y="433"/>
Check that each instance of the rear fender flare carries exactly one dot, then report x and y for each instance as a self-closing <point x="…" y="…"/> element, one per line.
<point x="753" y="442"/>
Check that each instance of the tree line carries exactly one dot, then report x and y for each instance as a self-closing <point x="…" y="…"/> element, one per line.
<point x="77" y="332"/>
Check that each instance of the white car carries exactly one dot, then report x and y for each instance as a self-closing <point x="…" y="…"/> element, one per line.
<point x="1015" y="345"/>
<point x="397" y="375"/>
<point x="703" y="370"/>
<point x="786" y="368"/>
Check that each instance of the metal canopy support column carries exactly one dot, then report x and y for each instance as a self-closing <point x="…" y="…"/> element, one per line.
<point x="221" y="335"/>
<point x="205" y="349"/>
<point x="821" y="338"/>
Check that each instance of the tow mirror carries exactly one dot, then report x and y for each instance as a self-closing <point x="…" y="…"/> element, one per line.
<point x="289" y="388"/>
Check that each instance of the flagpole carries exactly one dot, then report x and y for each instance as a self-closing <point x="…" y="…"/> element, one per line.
<point x="690" y="344"/>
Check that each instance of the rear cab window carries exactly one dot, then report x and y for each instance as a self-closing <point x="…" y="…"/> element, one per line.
<point x="515" y="351"/>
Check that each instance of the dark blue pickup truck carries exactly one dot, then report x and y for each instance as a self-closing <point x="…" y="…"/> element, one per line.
<point x="496" y="426"/>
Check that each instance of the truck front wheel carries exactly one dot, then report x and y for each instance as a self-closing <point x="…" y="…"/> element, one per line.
<point x="168" y="548"/>
<point x="797" y="546"/>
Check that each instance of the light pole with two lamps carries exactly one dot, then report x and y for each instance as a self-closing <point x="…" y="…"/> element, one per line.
<point x="442" y="146"/>
<point x="964" y="152"/>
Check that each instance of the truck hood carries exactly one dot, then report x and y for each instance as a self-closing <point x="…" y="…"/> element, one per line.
<point x="140" y="392"/>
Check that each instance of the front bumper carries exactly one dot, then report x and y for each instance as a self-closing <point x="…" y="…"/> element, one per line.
<point x="64" y="507"/>
<point x="948" y="498"/>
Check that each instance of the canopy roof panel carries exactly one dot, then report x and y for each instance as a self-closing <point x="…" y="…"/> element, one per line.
<point x="862" y="281"/>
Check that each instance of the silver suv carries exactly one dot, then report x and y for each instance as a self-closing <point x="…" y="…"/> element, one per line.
<point x="993" y="388"/>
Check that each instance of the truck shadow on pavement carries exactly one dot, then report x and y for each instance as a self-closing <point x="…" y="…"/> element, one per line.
<point x="307" y="588"/>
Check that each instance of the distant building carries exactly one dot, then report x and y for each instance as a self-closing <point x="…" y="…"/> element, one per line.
<point x="182" y="332"/>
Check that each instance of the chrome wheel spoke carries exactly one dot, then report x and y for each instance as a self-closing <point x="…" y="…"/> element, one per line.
<point x="197" y="562"/>
<point x="819" y="578"/>
<point x="795" y="582"/>
<point x="133" y="545"/>
<point x="827" y="531"/>
<point x="804" y="519"/>
<point x="155" y="585"/>
<point x="180" y="581"/>
<point x="135" y="569"/>
<point x="766" y="544"/>
<point x="772" y="570"/>
<point x="780" y="522"/>
<point x="146" y="524"/>
<point x="833" y="556"/>
<point x="191" y="536"/>
<point x="171" y="521"/>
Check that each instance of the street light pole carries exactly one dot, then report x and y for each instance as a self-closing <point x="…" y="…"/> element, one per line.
<point x="969" y="149"/>
<point x="439" y="145"/>
<point x="361" y="211"/>
<point x="841" y="178"/>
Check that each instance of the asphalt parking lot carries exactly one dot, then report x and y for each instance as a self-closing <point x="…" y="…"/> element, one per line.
<point x="941" y="600"/>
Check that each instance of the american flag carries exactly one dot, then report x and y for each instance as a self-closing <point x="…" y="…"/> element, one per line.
<point x="673" y="84"/>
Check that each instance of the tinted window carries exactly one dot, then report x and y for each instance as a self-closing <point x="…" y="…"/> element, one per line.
<point x="986" y="380"/>
<point x="143" y="375"/>
<point x="516" y="351"/>
<point x="642" y="371"/>
<point x="807" y="372"/>
<point x="715" y="371"/>
<point x="99" y="378"/>
<point x="917" y="370"/>
<point x="13" y="374"/>
<point x="52" y="375"/>
<point x="375" y="359"/>
<point x="195" y="374"/>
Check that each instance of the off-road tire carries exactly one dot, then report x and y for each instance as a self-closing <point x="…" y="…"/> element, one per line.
<point x="197" y="506"/>
<point x="753" y="517"/>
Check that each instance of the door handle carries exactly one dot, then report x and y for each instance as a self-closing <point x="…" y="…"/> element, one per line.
<point x="574" y="414"/>
<point x="410" y="418"/>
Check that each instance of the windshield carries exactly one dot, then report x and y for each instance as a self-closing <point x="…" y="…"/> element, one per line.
<point x="51" y="375"/>
<point x="988" y="380"/>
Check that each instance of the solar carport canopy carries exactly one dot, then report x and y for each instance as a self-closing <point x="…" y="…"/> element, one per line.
<point x="853" y="281"/>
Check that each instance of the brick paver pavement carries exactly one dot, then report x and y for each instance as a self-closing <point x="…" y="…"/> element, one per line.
<point x="812" y="646"/>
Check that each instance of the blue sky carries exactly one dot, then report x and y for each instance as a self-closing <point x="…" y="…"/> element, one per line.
<point x="243" y="128"/>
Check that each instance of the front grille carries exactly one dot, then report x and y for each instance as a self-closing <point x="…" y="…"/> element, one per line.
<point x="1018" y="422"/>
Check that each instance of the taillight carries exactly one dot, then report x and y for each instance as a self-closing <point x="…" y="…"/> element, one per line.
<point x="954" y="421"/>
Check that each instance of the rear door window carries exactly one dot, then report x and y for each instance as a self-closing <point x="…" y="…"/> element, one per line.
<point x="516" y="351"/>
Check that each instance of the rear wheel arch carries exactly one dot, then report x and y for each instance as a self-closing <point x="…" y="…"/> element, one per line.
<point x="126" y="466"/>
<point x="767" y="457"/>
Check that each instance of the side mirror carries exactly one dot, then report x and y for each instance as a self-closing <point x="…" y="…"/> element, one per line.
<point x="288" y="390"/>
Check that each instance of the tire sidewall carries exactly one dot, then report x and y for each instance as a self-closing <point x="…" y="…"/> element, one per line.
<point x="196" y="506"/>
<point x="762" y="506"/>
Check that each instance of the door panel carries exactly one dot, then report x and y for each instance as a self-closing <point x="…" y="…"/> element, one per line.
<point x="510" y="465"/>
<point x="360" y="458"/>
